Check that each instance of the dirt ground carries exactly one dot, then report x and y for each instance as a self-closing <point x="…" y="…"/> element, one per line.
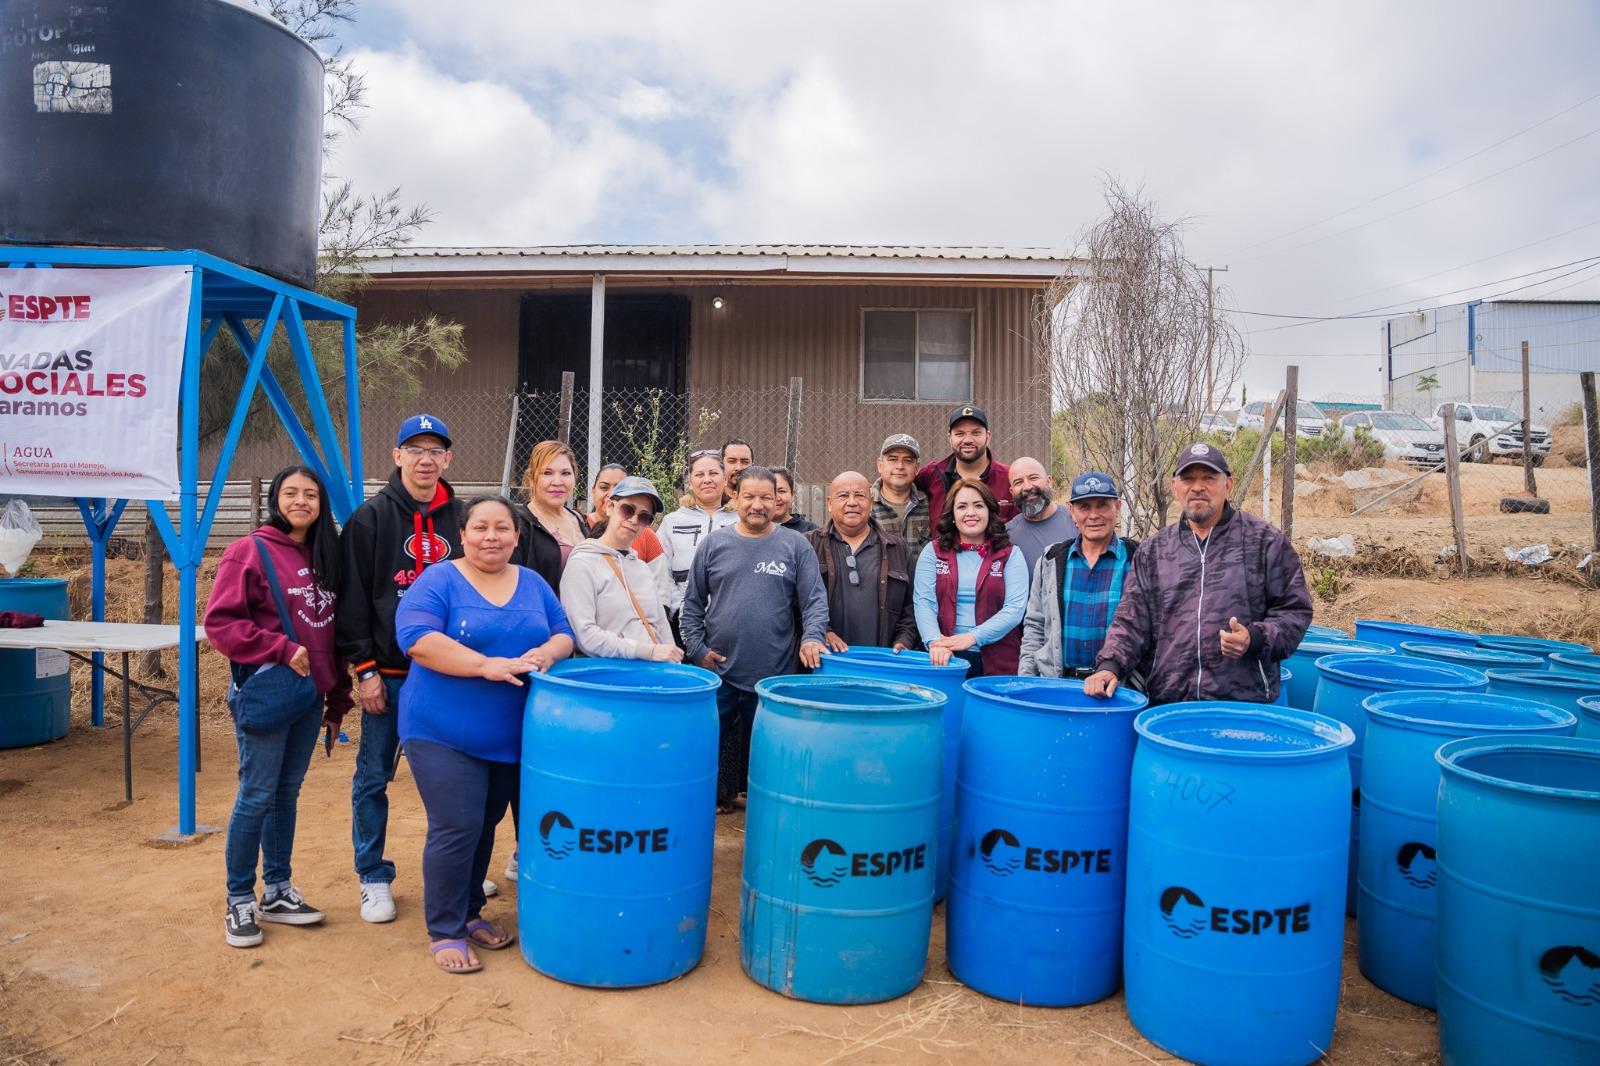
<point x="111" y="946"/>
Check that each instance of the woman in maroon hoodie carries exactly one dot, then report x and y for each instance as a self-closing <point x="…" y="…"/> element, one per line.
<point x="243" y="623"/>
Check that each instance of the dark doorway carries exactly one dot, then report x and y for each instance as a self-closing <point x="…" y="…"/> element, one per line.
<point x="646" y="348"/>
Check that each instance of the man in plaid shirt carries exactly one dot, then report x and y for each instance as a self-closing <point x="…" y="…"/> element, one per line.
<point x="1077" y="585"/>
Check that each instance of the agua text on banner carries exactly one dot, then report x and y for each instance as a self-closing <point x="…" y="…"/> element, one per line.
<point x="90" y="367"/>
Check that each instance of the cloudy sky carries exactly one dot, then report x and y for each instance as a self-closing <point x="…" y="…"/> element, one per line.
<point x="1338" y="158"/>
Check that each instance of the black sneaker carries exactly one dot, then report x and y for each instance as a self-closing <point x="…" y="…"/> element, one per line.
<point x="289" y="908"/>
<point x="240" y="924"/>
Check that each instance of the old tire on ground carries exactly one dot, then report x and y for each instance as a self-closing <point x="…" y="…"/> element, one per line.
<point x="1524" y="505"/>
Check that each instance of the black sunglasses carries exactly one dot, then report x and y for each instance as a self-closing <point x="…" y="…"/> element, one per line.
<point x="855" y="576"/>
<point x="628" y="511"/>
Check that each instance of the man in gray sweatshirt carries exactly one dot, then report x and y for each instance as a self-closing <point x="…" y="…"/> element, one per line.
<point x="754" y="592"/>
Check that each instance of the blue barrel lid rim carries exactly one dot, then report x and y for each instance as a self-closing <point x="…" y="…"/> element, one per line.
<point x="566" y="674"/>
<point x="1336" y="667"/>
<point x="1390" y="707"/>
<point x="894" y="697"/>
<point x="1518" y="642"/>
<point x="1452" y="754"/>
<point x="1333" y="632"/>
<point x="1586" y="662"/>
<point x="1123" y="701"/>
<point x="908" y="660"/>
<point x="1414" y="627"/>
<point x="1348" y="646"/>
<point x="1424" y="649"/>
<point x="1555" y="679"/>
<point x="1334" y="734"/>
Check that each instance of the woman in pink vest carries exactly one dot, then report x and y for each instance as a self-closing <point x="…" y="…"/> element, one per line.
<point x="971" y="587"/>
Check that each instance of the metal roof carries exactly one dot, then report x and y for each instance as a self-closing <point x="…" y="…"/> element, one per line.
<point x="730" y="259"/>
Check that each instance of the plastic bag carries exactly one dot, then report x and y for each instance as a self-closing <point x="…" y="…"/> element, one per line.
<point x="1532" y="555"/>
<point x="19" y="532"/>
<point x="1341" y="547"/>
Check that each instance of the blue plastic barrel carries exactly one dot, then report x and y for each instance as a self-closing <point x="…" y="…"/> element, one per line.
<point x="1035" y="908"/>
<point x="619" y="778"/>
<point x="1392" y="633"/>
<point x="914" y="668"/>
<point x="1237" y="834"/>
<point x="1399" y="837"/>
<point x="1302" y="686"/>
<point x="840" y="837"/>
<point x="1347" y="680"/>
<point x="1481" y="657"/>
<point x="1589" y="716"/>
<point x="1574" y="662"/>
<point x="1519" y="913"/>
<point x="1285" y="679"/>
<point x="35" y="686"/>
<point x="1539" y="646"/>
<point x="1316" y="632"/>
<point x="1555" y="687"/>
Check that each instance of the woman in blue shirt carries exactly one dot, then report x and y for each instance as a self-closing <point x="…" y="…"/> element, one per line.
<point x="471" y="629"/>
<point x="971" y="587"/>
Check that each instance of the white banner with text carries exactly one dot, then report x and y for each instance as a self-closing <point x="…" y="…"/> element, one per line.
<point x="90" y="367"/>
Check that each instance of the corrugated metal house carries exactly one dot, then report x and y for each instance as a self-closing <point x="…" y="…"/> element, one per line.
<point x="884" y="339"/>
<point x="1475" y="351"/>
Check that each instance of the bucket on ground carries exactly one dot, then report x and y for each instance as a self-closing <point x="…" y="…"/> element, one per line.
<point x="1397" y="868"/>
<point x="35" y="686"/>
<point x="1558" y="688"/>
<point x="619" y="778"/>
<point x="840" y="837"/>
<point x="1302" y="685"/>
<point x="1234" y="928"/>
<point x="915" y="668"/>
<point x="1285" y="679"/>
<point x="1519" y="919"/>
<point x="1480" y="657"/>
<point x="1381" y="631"/>
<point x="1038" y="872"/>
<point x="1347" y="680"/>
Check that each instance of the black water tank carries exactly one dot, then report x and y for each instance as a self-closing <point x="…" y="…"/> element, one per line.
<point x="161" y="124"/>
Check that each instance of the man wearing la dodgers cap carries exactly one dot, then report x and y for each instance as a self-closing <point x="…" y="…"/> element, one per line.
<point x="1212" y="603"/>
<point x="1077" y="585"/>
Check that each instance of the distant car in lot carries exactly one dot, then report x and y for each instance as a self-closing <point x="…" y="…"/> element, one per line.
<point x="1478" y="431"/>
<point x="1405" y="437"/>
<point x="1309" y="421"/>
<point x="1215" y="423"/>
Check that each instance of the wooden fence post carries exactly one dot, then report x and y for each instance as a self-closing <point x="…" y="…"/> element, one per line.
<point x="564" y="419"/>
<point x="1527" y="429"/>
<point x="1591" y="453"/>
<point x="1291" y="401"/>
<point x="1452" y="476"/>
<point x="255" y="502"/>
<point x="1241" y="486"/>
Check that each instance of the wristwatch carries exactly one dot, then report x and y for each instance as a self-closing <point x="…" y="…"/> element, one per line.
<point x="368" y="674"/>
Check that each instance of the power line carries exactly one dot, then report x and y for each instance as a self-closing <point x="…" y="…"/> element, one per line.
<point x="1425" y="177"/>
<point x="1424" y="203"/>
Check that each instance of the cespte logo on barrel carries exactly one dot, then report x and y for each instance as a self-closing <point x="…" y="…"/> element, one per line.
<point x="561" y="837"/>
<point x="826" y="862"/>
<point x="1004" y="854"/>
<point x="1418" y="864"/>
<point x="1187" y="915"/>
<point x="1573" y="974"/>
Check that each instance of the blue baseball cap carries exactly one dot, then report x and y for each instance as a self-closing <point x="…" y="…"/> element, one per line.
<point x="1093" y="485"/>
<point x="634" y="485"/>
<point x="417" y="425"/>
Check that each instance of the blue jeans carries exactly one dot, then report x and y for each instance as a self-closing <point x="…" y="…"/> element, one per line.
<point x="271" y="768"/>
<point x="369" y="790"/>
<point x="736" y="713"/>
<point x="465" y="798"/>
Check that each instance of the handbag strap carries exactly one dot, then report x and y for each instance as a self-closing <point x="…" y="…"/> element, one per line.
<point x="648" y="628"/>
<point x="271" y="573"/>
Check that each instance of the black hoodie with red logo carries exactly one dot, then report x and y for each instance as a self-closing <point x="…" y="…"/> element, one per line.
<point x="386" y="544"/>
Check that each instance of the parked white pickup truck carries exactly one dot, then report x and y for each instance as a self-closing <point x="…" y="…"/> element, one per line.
<point x="1477" y="426"/>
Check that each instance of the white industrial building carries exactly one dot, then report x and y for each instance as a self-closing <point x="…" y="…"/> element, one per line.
<point x="1475" y="352"/>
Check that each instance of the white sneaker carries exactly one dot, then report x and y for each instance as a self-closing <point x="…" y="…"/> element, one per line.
<point x="490" y="888"/>
<point x="511" y="869"/>
<point x="377" y="902"/>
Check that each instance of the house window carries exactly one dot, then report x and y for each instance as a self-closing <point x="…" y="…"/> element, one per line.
<point x="921" y="356"/>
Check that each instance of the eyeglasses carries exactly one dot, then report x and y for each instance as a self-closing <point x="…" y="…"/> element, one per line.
<point x="703" y="452"/>
<point x="855" y="576"/>
<point x="853" y="494"/>
<point x="629" y="512"/>
<point x="417" y="452"/>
